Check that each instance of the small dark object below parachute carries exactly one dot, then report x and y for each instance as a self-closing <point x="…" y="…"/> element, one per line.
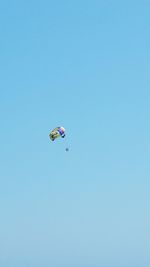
<point x="67" y="149"/>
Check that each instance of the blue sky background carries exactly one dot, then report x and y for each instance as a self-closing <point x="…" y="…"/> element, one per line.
<point x="84" y="65"/>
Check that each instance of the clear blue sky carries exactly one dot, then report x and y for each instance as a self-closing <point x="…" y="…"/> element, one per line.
<point x="84" y="65"/>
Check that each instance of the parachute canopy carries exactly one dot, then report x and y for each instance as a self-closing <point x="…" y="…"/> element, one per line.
<point x="57" y="132"/>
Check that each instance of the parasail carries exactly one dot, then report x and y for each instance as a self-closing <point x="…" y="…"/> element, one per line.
<point x="56" y="133"/>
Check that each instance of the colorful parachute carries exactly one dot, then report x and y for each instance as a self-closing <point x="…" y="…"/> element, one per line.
<point x="57" y="132"/>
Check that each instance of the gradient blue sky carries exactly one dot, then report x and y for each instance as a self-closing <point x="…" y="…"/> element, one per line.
<point x="84" y="65"/>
